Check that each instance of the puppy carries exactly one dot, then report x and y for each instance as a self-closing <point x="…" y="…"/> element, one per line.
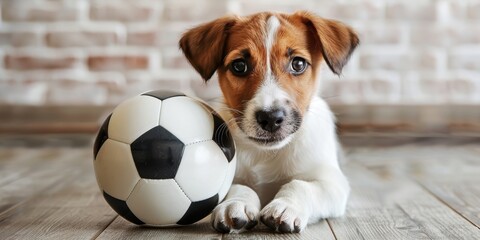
<point x="287" y="153"/>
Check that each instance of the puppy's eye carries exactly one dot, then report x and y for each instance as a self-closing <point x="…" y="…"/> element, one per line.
<point x="239" y="67"/>
<point x="298" y="65"/>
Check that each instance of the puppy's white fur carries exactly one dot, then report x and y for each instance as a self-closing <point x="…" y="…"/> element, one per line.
<point x="303" y="178"/>
<point x="297" y="181"/>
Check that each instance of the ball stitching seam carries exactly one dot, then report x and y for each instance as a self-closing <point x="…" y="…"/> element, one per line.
<point x="201" y="141"/>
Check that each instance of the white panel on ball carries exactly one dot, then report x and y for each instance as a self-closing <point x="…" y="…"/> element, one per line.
<point x="228" y="179"/>
<point x="158" y="202"/>
<point x="133" y="117"/>
<point x="115" y="170"/>
<point x="187" y="119"/>
<point x="202" y="170"/>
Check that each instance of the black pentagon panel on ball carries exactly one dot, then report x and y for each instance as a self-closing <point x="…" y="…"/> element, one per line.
<point x="198" y="210"/>
<point x="157" y="154"/>
<point x="102" y="136"/>
<point x="122" y="209"/>
<point x="163" y="94"/>
<point x="223" y="137"/>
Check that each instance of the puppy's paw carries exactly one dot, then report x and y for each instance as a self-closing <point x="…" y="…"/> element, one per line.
<point x="234" y="216"/>
<point x="281" y="216"/>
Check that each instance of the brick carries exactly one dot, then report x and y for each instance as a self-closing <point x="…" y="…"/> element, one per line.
<point x="381" y="34"/>
<point x="445" y="35"/>
<point x="143" y="38"/>
<point x="76" y="93"/>
<point x="166" y="36"/>
<point x="44" y="11"/>
<point x="343" y="91"/>
<point x="424" y="88"/>
<point x="427" y="60"/>
<point x="413" y="59"/>
<point x="21" y="38"/>
<point x="246" y="8"/>
<point x="22" y="92"/>
<point x="40" y="61"/>
<point x="109" y="82"/>
<point x="452" y="10"/>
<point x="419" y="10"/>
<point x="197" y="11"/>
<point x="463" y="90"/>
<point x="432" y="89"/>
<point x="118" y="62"/>
<point x="466" y="34"/>
<point x="410" y="91"/>
<point x="364" y="88"/>
<point x="137" y="83"/>
<point x="171" y="33"/>
<point x="422" y="52"/>
<point x="97" y="87"/>
<point x="351" y="10"/>
<point x="81" y="38"/>
<point x="434" y="35"/>
<point x="384" y="61"/>
<point x="123" y="11"/>
<point x="174" y="59"/>
<point x="465" y="60"/>
<point x="473" y="10"/>
<point x="382" y="88"/>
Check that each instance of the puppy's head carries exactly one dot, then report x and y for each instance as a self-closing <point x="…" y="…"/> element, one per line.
<point x="267" y="65"/>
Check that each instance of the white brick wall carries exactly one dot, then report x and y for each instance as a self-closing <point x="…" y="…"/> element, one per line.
<point x="98" y="52"/>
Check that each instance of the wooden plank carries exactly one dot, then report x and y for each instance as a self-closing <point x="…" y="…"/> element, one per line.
<point x="56" y="223"/>
<point x="122" y="229"/>
<point x="457" y="183"/>
<point x="461" y="195"/>
<point x="71" y="209"/>
<point x="59" y="199"/>
<point x="54" y="170"/>
<point x="319" y="230"/>
<point x="35" y="141"/>
<point x="14" y="163"/>
<point x="419" y="159"/>
<point x="385" y="207"/>
<point x="436" y="166"/>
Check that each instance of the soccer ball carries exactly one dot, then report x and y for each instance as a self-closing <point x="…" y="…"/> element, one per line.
<point x="164" y="159"/>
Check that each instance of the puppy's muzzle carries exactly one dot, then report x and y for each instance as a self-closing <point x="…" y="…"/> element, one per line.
<point x="270" y="120"/>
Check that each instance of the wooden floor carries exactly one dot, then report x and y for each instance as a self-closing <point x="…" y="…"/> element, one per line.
<point x="402" y="188"/>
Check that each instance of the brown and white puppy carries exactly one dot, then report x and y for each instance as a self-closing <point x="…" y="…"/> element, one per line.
<point x="267" y="64"/>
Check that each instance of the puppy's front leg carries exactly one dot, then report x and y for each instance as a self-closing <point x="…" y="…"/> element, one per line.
<point x="238" y="212"/>
<point x="321" y="193"/>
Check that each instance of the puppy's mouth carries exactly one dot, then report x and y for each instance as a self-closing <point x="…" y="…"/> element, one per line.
<point x="266" y="140"/>
<point x="271" y="141"/>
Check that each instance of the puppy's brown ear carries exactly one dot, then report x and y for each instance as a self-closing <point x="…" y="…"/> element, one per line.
<point x="337" y="41"/>
<point x="204" y="45"/>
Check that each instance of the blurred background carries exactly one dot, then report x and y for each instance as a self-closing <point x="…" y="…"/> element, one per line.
<point x="64" y="64"/>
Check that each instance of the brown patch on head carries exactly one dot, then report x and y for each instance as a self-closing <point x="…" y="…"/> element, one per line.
<point x="246" y="41"/>
<point x="204" y="45"/>
<point x="337" y="40"/>
<point x="294" y="41"/>
<point x="214" y="46"/>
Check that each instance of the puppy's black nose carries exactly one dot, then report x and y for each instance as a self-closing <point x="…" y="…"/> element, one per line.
<point x="270" y="120"/>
